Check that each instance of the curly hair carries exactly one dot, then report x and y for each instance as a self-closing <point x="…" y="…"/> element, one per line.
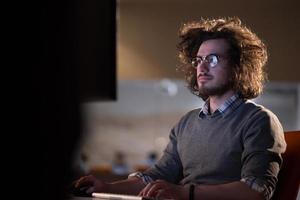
<point x="248" y="54"/>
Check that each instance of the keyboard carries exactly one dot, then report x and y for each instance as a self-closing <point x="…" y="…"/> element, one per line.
<point x="109" y="196"/>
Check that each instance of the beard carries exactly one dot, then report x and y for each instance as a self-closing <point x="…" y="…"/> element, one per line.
<point x="219" y="90"/>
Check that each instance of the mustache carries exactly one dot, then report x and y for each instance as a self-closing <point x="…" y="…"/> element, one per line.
<point x="201" y="74"/>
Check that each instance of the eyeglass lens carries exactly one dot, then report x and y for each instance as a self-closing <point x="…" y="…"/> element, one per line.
<point x="211" y="59"/>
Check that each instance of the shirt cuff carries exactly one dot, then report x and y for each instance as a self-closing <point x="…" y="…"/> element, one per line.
<point x="145" y="178"/>
<point x="257" y="185"/>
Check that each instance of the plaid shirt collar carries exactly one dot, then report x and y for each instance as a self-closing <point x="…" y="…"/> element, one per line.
<point x="229" y="104"/>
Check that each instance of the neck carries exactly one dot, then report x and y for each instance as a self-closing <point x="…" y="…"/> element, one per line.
<point x="216" y="101"/>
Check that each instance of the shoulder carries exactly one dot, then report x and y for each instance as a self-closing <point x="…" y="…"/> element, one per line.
<point x="262" y="122"/>
<point x="250" y="112"/>
<point x="259" y="112"/>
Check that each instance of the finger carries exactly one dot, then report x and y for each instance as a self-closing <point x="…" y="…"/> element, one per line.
<point x="145" y="190"/>
<point x="163" y="194"/>
<point x="148" y="188"/>
<point x="159" y="193"/>
<point x="154" y="189"/>
<point x="79" y="181"/>
<point x="72" y="185"/>
<point x="85" y="181"/>
<point x="90" y="190"/>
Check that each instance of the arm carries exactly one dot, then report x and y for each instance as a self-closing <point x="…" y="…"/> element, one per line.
<point x="263" y="143"/>
<point x="232" y="191"/>
<point x="90" y="184"/>
<point x="169" y="166"/>
<point x="129" y="186"/>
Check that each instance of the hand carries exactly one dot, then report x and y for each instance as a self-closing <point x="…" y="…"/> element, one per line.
<point x="89" y="184"/>
<point x="164" y="190"/>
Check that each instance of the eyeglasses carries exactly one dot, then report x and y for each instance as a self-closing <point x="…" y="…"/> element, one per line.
<point x="211" y="59"/>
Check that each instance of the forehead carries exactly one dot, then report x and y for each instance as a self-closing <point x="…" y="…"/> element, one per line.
<point x="217" y="46"/>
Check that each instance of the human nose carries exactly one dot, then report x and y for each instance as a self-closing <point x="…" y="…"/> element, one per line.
<point x="203" y="66"/>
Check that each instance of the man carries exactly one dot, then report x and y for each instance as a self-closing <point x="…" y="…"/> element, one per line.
<point x="231" y="147"/>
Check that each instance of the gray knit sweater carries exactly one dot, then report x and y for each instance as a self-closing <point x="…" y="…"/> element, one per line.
<point x="244" y="142"/>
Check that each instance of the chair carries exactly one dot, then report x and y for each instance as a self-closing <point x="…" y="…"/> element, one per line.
<point x="289" y="176"/>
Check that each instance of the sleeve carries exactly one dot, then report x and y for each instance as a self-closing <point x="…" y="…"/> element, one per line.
<point x="169" y="166"/>
<point x="264" y="143"/>
<point x="145" y="178"/>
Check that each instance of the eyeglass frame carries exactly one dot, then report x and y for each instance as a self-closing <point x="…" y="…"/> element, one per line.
<point x="204" y="59"/>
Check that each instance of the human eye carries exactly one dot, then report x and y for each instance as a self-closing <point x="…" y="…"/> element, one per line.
<point x="195" y="62"/>
<point x="212" y="59"/>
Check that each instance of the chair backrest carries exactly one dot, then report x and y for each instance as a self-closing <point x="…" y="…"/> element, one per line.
<point x="289" y="176"/>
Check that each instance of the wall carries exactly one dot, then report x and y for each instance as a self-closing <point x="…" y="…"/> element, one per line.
<point x="147" y="33"/>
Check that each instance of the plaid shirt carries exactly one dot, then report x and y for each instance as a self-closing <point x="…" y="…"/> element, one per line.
<point x="229" y="104"/>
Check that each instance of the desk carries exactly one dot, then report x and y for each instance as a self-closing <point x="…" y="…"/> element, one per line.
<point x="81" y="198"/>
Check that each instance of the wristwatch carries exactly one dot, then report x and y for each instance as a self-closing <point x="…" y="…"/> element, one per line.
<point x="191" y="192"/>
